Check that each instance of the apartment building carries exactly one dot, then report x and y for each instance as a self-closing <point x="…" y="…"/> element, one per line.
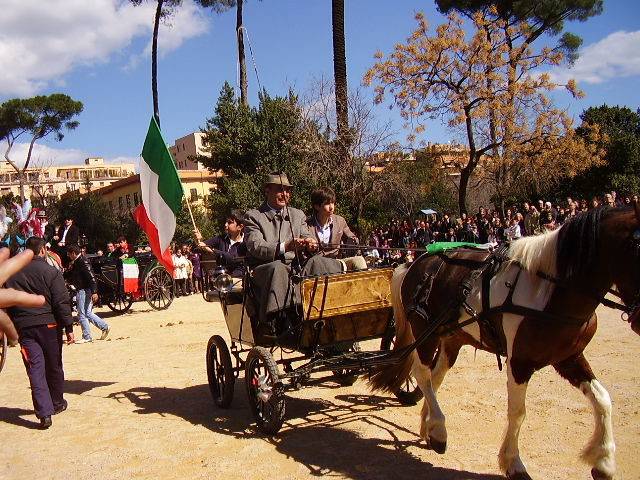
<point x="124" y="195"/>
<point x="56" y="180"/>
<point x="187" y="147"/>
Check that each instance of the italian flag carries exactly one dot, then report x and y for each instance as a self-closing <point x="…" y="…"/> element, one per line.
<point x="130" y="274"/>
<point x="161" y="195"/>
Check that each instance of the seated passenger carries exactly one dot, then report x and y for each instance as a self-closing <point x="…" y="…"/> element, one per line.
<point x="229" y="248"/>
<point x="278" y="238"/>
<point x="329" y="230"/>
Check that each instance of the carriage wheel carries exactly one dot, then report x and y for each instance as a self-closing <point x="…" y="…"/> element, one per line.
<point x="265" y="391"/>
<point x="409" y="393"/>
<point x="158" y="288"/>
<point x="3" y="350"/>
<point x="120" y="302"/>
<point x="220" y="371"/>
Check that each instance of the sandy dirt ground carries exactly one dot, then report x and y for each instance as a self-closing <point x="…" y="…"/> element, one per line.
<point x="139" y="407"/>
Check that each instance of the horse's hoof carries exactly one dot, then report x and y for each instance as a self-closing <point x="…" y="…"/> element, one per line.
<point x="436" y="445"/>
<point x="600" y="475"/>
<point x="518" y="476"/>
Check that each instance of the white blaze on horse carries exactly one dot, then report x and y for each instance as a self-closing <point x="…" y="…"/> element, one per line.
<point x="534" y="304"/>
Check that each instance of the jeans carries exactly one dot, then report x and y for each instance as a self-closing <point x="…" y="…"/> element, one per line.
<point x="86" y="315"/>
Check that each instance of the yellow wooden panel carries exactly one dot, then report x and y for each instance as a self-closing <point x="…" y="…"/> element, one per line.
<point x="348" y="293"/>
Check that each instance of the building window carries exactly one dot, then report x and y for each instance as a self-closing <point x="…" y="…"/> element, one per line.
<point x="120" y="203"/>
<point x="128" y="200"/>
<point x="135" y="199"/>
<point x="50" y="187"/>
<point x="194" y="194"/>
<point x="102" y="184"/>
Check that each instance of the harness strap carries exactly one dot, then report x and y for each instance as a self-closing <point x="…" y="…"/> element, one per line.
<point x="590" y="294"/>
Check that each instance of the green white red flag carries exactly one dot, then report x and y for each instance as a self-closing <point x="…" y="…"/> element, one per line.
<point x="161" y="195"/>
<point x="130" y="275"/>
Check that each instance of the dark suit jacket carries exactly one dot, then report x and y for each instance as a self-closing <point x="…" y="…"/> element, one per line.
<point x="73" y="235"/>
<point x="340" y="234"/>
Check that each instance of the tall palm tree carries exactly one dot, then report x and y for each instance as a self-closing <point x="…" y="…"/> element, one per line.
<point x="222" y="6"/>
<point x="340" y="77"/>
<point x="163" y="9"/>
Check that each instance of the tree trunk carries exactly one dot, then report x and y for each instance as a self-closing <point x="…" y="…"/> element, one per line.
<point x="241" y="59"/>
<point x="340" y="77"/>
<point x="465" y="176"/>
<point x="154" y="62"/>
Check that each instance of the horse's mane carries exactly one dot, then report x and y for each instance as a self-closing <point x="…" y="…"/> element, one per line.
<point x="536" y="253"/>
<point x="566" y="252"/>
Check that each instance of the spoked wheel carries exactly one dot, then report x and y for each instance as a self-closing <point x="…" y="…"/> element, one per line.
<point x="220" y="372"/>
<point x="158" y="288"/>
<point x="3" y="350"/>
<point x="265" y="391"/>
<point x="409" y="393"/>
<point x="120" y="302"/>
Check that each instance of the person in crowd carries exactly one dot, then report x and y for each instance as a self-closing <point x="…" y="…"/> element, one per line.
<point x="180" y="264"/>
<point x="186" y="251"/>
<point x="49" y="231"/>
<point x="122" y="249"/>
<point x="79" y="275"/>
<point x="40" y="328"/>
<point x="609" y="200"/>
<point x="329" y="229"/>
<point x="512" y="232"/>
<point x="278" y="239"/>
<point x="68" y="234"/>
<point x="229" y="248"/>
<point x="111" y="248"/>
<point x="194" y="258"/>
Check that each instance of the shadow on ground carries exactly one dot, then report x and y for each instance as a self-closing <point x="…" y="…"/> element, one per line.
<point x="78" y="387"/>
<point x="14" y="416"/>
<point x="312" y="434"/>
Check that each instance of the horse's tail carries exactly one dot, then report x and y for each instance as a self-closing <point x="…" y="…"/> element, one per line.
<point x="390" y="378"/>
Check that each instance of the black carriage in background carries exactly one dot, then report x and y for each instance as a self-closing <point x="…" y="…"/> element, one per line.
<point x="155" y="284"/>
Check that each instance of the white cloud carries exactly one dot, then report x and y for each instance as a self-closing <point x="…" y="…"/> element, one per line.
<point x="45" y="156"/>
<point x="615" y="56"/>
<point x="41" y="41"/>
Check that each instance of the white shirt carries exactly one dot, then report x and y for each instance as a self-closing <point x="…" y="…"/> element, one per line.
<point x="64" y="234"/>
<point x="324" y="231"/>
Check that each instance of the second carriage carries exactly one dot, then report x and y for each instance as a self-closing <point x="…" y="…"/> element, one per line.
<point x="140" y="277"/>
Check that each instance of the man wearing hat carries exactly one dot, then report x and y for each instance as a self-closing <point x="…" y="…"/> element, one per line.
<point x="277" y="238"/>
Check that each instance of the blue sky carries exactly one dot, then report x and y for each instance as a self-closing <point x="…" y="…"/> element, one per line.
<point x="98" y="52"/>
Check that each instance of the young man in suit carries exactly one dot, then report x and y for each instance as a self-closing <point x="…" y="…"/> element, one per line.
<point x="329" y="229"/>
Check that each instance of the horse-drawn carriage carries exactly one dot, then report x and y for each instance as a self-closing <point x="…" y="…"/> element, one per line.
<point x="338" y="311"/>
<point x="118" y="287"/>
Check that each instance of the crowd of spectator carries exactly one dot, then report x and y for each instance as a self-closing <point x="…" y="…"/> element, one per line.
<point x="486" y="226"/>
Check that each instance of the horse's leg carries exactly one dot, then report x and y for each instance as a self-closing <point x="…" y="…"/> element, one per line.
<point x="518" y="375"/>
<point x="447" y="355"/>
<point x="432" y="420"/>
<point x="600" y="451"/>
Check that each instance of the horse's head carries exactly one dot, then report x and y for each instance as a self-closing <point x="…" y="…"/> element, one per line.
<point x="621" y="235"/>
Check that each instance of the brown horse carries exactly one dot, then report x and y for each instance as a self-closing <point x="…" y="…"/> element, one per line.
<point x="536" y="307"/>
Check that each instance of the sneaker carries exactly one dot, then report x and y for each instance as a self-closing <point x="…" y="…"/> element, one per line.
<point x="61" y="408"/>
<point x="84" y="340"/>
<point x="105" y="333"/>
<point x="45" y="423"/>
